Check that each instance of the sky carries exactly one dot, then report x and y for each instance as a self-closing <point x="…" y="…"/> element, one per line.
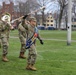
<point x="0" y="2"/>
<point x="50" y="8"/>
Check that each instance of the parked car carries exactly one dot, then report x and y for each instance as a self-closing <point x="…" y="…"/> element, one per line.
<point x="41" y="27"/>
<point x="50" y="28"/>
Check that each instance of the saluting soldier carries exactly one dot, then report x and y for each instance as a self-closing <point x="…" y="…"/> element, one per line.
<point x="5" y="27"/>
<point x="30" y="41"/>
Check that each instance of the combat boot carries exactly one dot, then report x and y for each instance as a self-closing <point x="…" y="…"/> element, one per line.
<point x="22" y="55"/>
<point x="31" y="67"/>
<point x="4" y="58"/>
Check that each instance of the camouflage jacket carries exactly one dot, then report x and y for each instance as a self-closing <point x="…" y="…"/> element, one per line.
<point x="4" y="27"/>
<point x="22" y="30"/>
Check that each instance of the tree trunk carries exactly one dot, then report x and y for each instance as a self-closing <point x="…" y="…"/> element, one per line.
<point x="60" y="18"/>
<point x="43" y="17"/>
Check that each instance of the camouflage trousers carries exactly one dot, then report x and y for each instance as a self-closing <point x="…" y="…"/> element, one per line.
<point x="32" y="55"/>
<point x="4" y="42"/>
<point x="22" y="41"/>
<point x="0" y="43"/>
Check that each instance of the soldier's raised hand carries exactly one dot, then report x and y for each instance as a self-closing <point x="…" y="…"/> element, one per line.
<point x="24" y="17"/>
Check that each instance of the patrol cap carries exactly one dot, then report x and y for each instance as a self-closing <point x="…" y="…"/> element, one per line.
<point x="32" y="19"/>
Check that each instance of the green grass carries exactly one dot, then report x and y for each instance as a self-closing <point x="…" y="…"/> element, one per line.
<point x="54" y="57"/>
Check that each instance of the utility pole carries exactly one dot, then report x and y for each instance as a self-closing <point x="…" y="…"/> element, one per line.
<point x="69" y="22"/>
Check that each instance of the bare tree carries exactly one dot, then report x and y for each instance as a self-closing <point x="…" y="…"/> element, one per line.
<point x="43" y="3"/>
<point x="74" y="11"/>
<point x="62" y="4"/>
<point x="20" y="7"/>
<point x="66" y="17"/>
<point x="26" y="6"/>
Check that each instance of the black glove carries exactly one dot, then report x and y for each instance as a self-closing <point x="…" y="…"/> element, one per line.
<point x="2" y="30"/>
<point x="41" y="42"/>
<point x="12" y="29"/>
<point x="25" y="16"/>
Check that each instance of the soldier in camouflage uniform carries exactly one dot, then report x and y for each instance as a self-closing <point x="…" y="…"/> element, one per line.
<point x="30" y="42"/>
<point x="22" y="37"/>
<point x="5" y="27"/>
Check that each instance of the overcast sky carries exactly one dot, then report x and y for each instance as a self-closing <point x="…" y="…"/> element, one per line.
<point x="0" y="2"/>
<point x="51" y="7"/>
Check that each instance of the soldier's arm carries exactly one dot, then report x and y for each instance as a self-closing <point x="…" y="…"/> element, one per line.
<point x="10" y="26"/>
<point x="38" y="35"/>
<point x="24" y="24"/>
<point x="40" y="39"/>
<point x="2" y="27"/>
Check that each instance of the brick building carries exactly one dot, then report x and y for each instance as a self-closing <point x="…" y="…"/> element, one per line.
<point x="10" y="9"/>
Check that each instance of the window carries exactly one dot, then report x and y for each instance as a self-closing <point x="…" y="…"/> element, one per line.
<point x="51" y="24"/>
<point x="47" y="24"/>
<point x="74" y="25"/>
<point x="51" y="20"/>
<point x="47" y="20"/>
<point x="74" y="19"/>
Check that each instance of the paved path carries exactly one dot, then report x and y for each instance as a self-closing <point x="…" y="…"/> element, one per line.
<point x="48" y="39"/>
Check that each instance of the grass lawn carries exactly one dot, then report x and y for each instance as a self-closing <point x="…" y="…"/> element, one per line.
<point x="54" y="57"/>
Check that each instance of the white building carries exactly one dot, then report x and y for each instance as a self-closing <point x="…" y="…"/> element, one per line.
<point x="50" y="21"/>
